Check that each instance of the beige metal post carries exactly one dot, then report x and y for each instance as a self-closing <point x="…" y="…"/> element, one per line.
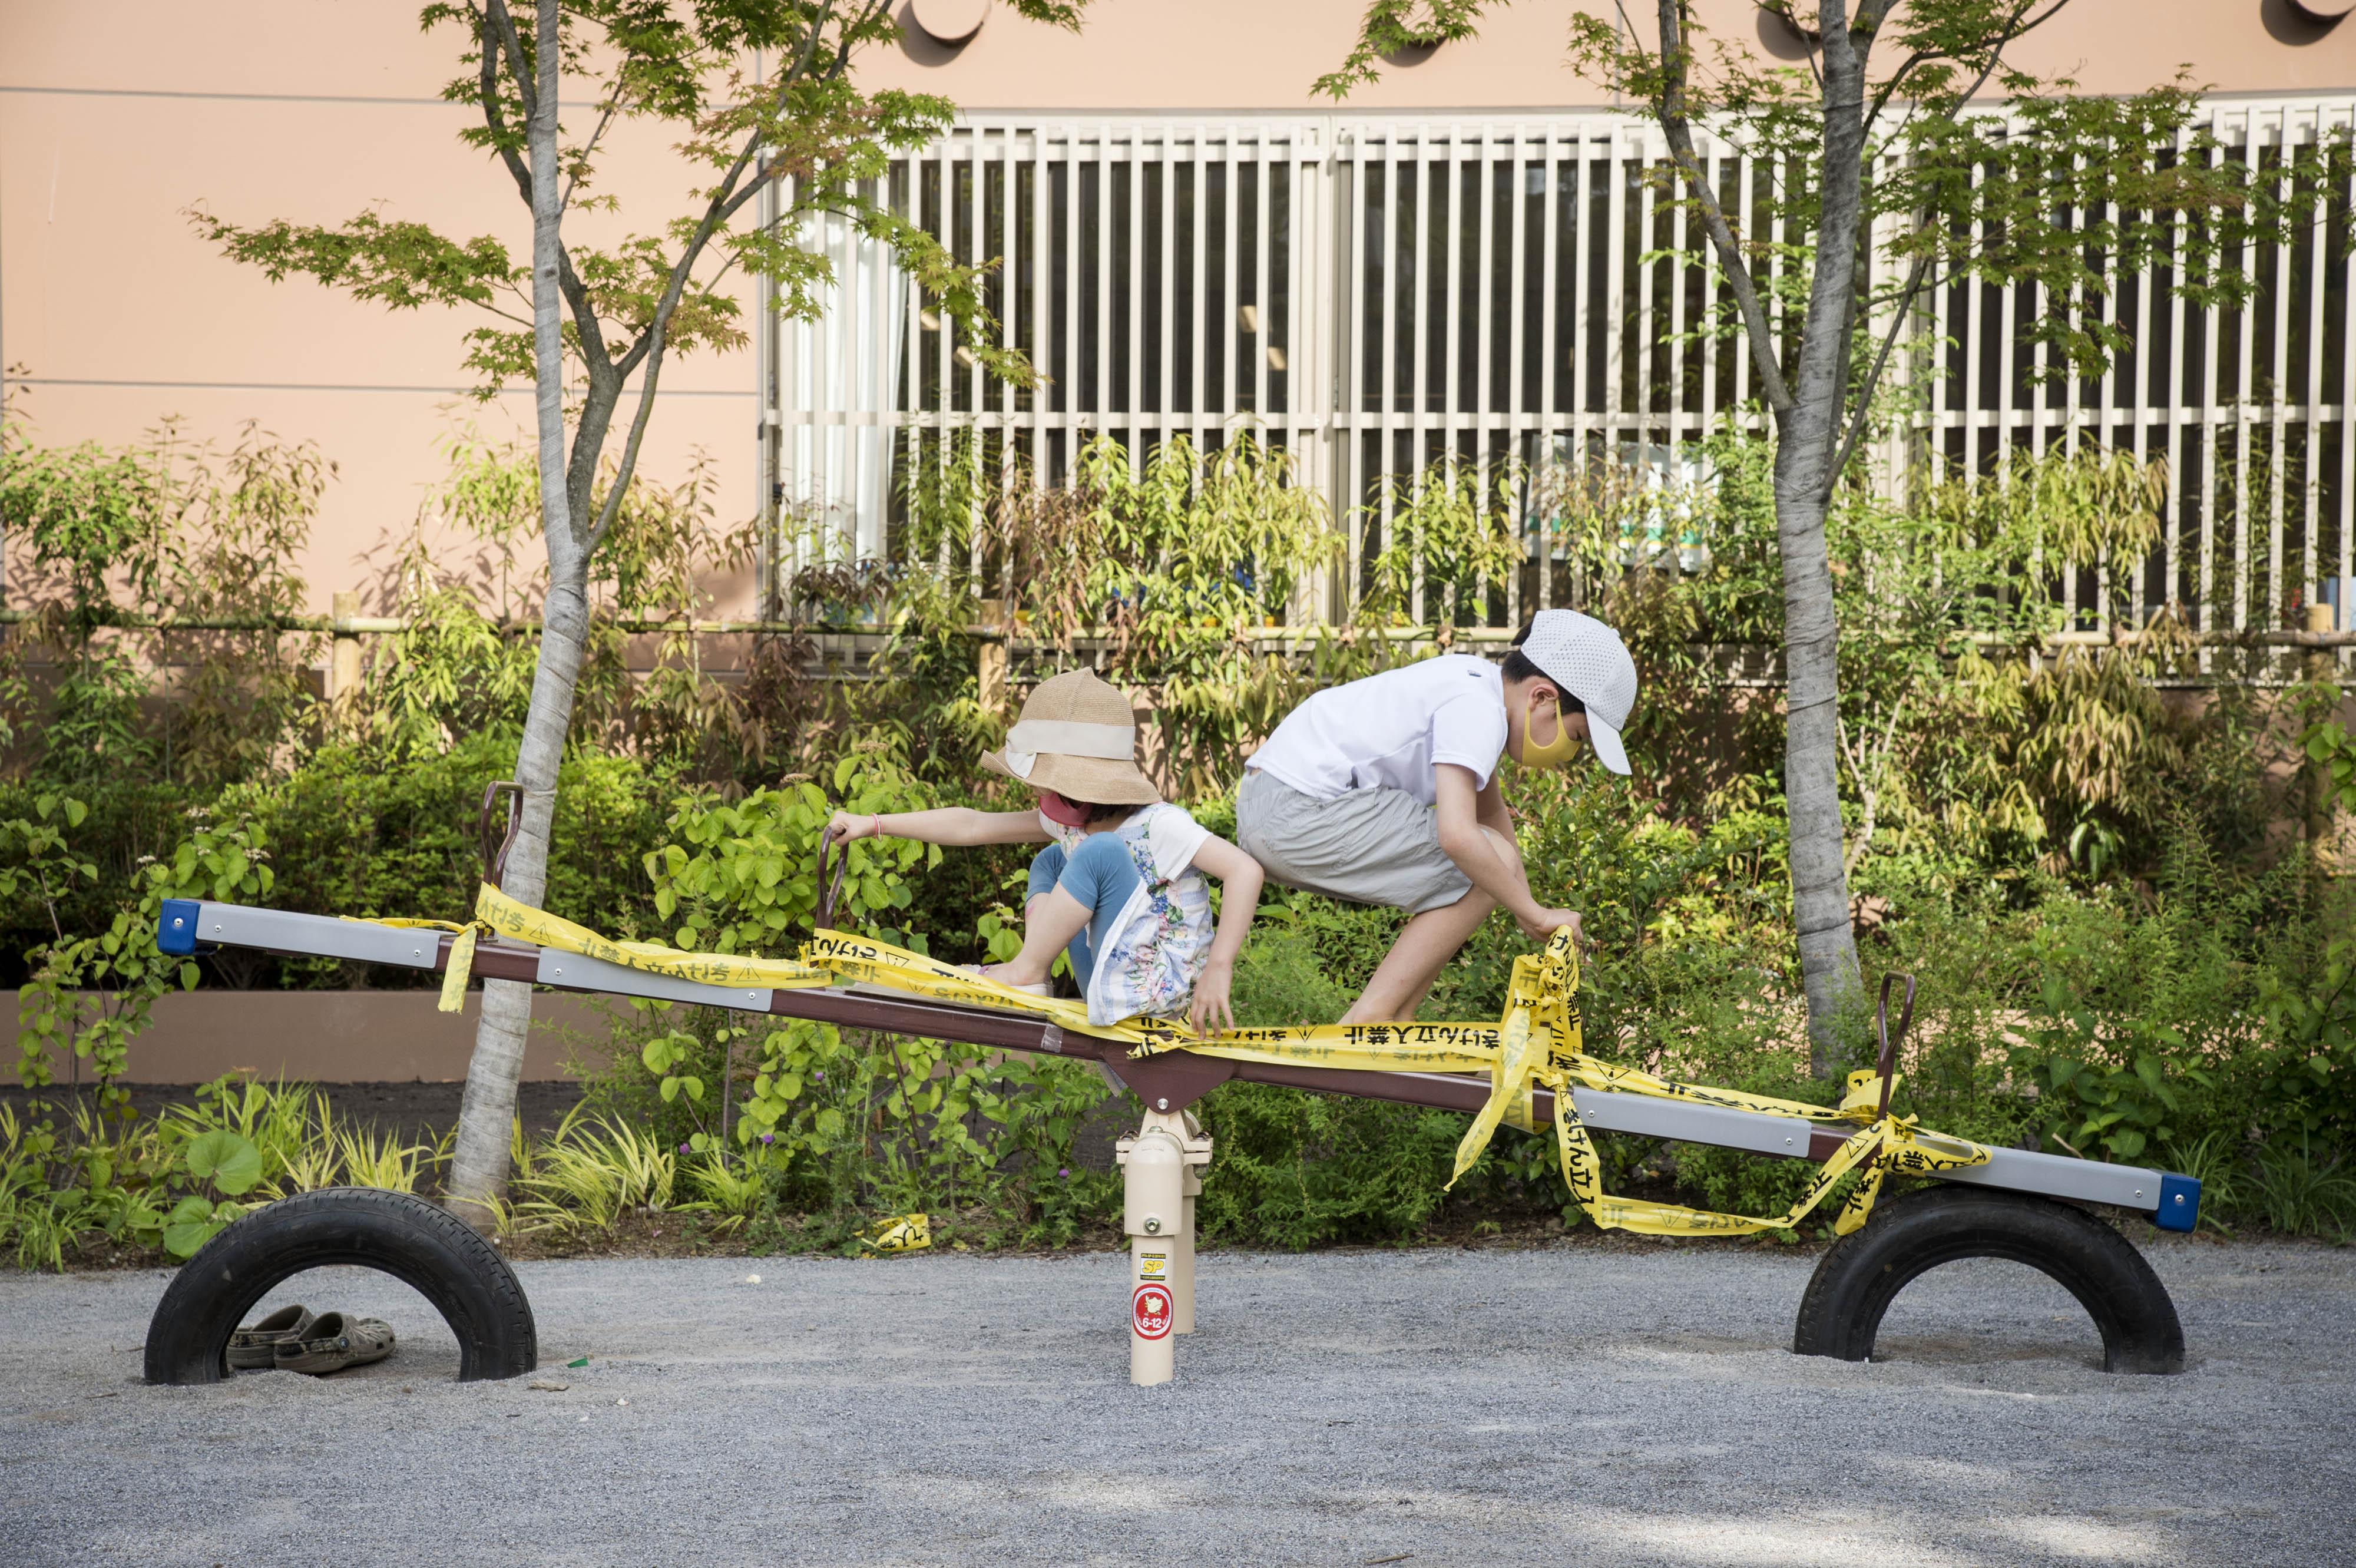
<point x="1158" y="1161"/>
<point x="1182" y="1252"/>
<point x="1151" y="1209"/>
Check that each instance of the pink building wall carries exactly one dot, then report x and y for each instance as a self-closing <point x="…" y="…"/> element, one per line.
<point x="1162" y="55"/>
<point x="114" y="313"/>
<point x="116" y="115"/>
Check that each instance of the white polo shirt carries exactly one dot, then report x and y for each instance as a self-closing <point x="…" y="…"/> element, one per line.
<point x="1387" y="731"/>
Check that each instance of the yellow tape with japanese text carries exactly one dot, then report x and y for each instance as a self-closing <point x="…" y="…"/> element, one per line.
<point x="1538" y="1044"/>
<point x="497" y="914"/>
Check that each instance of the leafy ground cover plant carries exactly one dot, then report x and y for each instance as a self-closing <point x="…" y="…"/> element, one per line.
<point x="594" y="1170"/>
<point x="85" y="997"/>
<point x="2302" y="1190"/>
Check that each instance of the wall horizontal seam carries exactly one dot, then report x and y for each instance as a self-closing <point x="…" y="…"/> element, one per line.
<point x="228" y="96"/>
<point x="327" y="386"/>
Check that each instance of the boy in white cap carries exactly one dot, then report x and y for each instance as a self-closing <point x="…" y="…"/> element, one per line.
<point x="1385" y="792"/>
<point x="1120" y="888"/>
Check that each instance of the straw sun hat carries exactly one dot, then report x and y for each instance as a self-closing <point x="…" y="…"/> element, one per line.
<point x="1077" y="737"/>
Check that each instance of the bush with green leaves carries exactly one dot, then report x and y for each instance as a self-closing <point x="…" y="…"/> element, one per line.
<point x="2307" y="1071"/>
<point x="743" y="876"/>
<point x="85" y="997"/>
<point x="171" y="1182"/>
<point x="1294" y="1169"/>
<point x="2119" y="953"/>
<point x="838" y="1124"/>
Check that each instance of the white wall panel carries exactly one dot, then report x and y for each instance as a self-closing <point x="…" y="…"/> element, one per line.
<point x="1441" y="286"/>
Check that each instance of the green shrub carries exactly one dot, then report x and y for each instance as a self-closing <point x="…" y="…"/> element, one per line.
<point x="1278" y="982"/>
<point x="2302" y="1190"/>
<point x="2117" y="953"/>
<point x="1294" y="1169"/>
<point x="352" y="836"/>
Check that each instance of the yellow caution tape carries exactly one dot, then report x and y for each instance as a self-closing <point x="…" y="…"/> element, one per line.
<point x="462" y="956"/>
<point x="881" y="963"/>
<point x="1360" y="1047"/>
<point x="1427" y="1048"/>
<point x="502" y="913"/>
<point x="454" y="979"/>
<point x="1538" y="1044"/>
<point x="903" y="1233"/>
<point x="496" y="913"/>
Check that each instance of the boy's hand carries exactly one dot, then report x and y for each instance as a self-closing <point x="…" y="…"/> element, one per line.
<point x="1548" y="923"/>
<point x="1210" y="1004"/>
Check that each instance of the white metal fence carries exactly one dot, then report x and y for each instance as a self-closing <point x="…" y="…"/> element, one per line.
<point x="1373" y="290"/>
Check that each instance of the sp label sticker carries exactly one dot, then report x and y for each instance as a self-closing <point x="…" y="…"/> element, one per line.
<point x="1154" y="1265"/>
<point x="1148" y="1310"/>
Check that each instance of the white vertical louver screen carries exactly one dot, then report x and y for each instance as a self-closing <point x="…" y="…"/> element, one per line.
<point x="1372" y="292"/>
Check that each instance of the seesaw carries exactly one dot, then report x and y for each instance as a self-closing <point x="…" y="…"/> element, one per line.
<point x="1528" y="1070"/>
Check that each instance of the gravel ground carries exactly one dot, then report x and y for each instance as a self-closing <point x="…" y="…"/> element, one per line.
<point x="1612" y="1403"/>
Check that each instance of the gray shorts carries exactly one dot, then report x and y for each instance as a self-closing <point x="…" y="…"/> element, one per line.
<point x="1368" y="846"/>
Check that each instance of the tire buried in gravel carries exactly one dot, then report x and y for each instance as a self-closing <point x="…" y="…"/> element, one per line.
<point x="418" y="1243"/>
<point x="1862" y="1273"/>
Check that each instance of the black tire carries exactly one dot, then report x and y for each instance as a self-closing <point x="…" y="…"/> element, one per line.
<point x="1859" y="1275"/>
<point x="432" y="1251"/>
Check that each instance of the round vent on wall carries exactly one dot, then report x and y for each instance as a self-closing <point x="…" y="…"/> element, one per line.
<point x="1792" y="19"/>
<point x="1409" y="56"/>
<point x="950" y="22"/>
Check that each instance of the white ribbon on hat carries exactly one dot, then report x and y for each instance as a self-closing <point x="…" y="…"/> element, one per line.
<point x="1067" y="737"/>
<point x="1018" y="762"/>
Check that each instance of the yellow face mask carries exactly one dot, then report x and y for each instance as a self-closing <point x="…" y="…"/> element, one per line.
<point x="1555" y="753"/>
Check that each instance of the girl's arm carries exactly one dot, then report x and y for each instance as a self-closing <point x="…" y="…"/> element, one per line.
<point x="1241" y="878"/>
<point x="949" y="825"/>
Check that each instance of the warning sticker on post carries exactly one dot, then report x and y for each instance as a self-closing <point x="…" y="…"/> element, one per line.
<point x="1148" y="1310"/>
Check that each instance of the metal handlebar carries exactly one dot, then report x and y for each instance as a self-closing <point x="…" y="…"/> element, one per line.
<point x="829" y="893"/>
<point x="1889" y="1057"/>
<point x="495" y="855"/>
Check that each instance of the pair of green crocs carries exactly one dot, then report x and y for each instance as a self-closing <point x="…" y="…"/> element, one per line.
<point x="293" y="1339"/>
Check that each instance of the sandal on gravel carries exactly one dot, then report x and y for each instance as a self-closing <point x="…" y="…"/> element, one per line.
<point x="255" y="1347"/>
<point x="1045" y="988"/>
<point x="333" y="1341"/>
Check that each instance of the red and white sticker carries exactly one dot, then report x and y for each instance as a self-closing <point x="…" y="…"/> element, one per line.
<point x="1148" y="1310"/>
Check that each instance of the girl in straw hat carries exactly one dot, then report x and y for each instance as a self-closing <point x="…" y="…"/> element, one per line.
<point x="1120" y="886"/>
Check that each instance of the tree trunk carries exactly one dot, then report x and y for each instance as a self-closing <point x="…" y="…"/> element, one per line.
<point x="1804" y="482"/>
<point x="478" y="1167"/>
<point x="1828" y="966"/>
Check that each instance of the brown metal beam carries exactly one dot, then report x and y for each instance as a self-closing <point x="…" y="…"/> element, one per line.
<point x="1166" y="1080"/>
<point x="932" y="1020"/>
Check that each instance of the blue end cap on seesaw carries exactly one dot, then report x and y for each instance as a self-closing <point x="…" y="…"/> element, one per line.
<point x="2179" y="1202"/>
<point x="175" y="928"/>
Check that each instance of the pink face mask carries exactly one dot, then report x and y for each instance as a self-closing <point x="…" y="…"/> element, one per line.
<point x="1055" y="809"/>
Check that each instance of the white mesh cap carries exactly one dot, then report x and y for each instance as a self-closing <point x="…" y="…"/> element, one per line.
<point x="1587" y="658"/>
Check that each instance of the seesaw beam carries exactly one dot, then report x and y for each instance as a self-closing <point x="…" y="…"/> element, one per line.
<point x="1168" y="1081"/>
